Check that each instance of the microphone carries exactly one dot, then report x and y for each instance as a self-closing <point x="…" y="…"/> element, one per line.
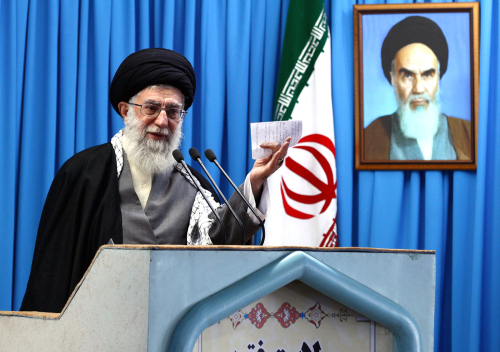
<point x="195" y="154"/>
<point x="212" y="158"/>
<point x="177" y="154"/>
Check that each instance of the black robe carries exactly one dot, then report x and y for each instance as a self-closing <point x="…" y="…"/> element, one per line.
<point x="81" y="213"/>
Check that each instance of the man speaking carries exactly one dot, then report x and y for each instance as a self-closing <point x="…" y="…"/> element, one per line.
<point x="131" y="190"/>
<point x="414" y="59"/>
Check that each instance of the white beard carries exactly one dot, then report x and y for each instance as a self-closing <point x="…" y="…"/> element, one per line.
<point x="421" y="123"/>
<point x="149" y="155"/>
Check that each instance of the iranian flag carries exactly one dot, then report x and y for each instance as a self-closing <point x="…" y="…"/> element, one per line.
<point x="304" y="190"/>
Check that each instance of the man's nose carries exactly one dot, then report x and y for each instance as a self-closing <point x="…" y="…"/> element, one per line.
<point x="162" y="119"/>
<point x="418" y="85"/>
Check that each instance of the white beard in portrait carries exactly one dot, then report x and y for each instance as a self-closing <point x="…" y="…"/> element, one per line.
<point x="420" y="123"/>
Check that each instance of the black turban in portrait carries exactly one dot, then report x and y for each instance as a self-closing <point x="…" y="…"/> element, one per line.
<point x="414" y="29"/>
<point x="148" y="67"/>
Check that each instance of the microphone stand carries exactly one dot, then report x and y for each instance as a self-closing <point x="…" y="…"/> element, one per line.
<point x="180" y="159"/>
<point x="196" y="156"/>
<point x="211" y="157"/>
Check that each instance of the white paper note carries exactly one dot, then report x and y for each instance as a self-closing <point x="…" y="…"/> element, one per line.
<point x="276" y="131"/>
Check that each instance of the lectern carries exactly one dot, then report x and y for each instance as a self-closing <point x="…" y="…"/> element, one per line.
<point x="161" y="298"/>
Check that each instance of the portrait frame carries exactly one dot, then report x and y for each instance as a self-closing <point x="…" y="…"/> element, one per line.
<point x="458" y="87"/>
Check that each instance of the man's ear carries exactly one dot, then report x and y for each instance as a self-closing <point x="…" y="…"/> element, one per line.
<point x="392" y="78"/>
<point x="123" y="108"/>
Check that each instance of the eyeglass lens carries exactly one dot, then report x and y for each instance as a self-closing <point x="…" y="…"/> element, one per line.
<point x="154" y="110"/>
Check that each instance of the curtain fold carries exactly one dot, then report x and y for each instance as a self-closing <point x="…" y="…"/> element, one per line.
<point x="484" y="304"/>
<point x="58" y="58"/>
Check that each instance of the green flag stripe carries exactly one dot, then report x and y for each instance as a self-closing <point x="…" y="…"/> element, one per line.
<point x="295" y="71"/>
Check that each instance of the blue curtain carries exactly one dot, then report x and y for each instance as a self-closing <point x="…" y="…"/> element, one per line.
<point x="58" y="57"/>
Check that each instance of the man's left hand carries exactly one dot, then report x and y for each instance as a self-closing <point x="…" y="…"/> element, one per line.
<point x="263" y="168"/>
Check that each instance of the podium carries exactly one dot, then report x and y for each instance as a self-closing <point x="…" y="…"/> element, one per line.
<point x="161" y="298"/>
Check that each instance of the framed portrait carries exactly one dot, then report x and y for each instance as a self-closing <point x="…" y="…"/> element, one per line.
<point x="416" y="86"/>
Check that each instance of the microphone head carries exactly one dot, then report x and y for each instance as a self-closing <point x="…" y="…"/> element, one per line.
<point x="178" y="155"/>
<point x="210" y="155"/>
<point x="195" y="154"/>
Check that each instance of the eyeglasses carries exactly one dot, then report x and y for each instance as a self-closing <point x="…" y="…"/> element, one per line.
<point x="153" y="110"/>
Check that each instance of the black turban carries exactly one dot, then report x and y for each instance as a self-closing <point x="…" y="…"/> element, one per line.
<point x="414" y="29"/>
<point x="148" y="67"/>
